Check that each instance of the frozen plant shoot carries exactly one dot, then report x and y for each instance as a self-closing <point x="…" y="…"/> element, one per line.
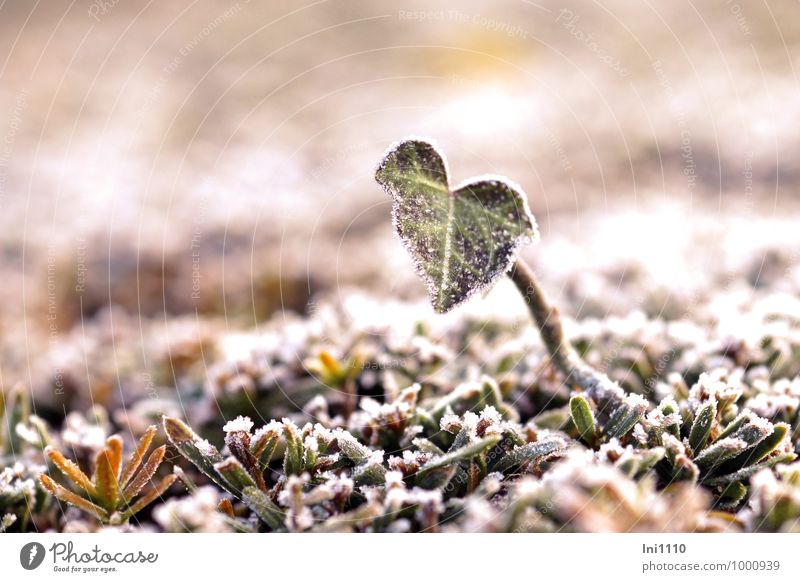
<point x="464" y="238"/>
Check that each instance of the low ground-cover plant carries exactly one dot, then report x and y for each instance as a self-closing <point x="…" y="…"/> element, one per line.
<point x="706" y="439"/>
<point x="420" y="465"/>
<point x="476" y="429"/>
<point x="22" y="437"/>
<point x="435" y="455"/>
<point x="464" y="238"/>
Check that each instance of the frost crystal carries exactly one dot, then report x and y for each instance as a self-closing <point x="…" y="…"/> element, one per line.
<point x="205" y="447"/>
<point x="240" y="423"/>
<point x="271" y="428"/>
<point x="451" y="423"/>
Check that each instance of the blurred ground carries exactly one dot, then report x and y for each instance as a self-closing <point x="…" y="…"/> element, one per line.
<point x="176" y="158"/>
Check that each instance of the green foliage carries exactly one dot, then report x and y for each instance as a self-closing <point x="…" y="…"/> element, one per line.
<point x="705" y="443"/>
<point x="462" y="239"/>
<point x="616" y="415"/>
<point x="22" y="437"/>
<point x="320" y="476"/>
<point x="437" y="426"/>
<point x="20" y="431"/>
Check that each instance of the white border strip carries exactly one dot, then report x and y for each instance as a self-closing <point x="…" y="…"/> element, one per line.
<point x="388" y="557"/>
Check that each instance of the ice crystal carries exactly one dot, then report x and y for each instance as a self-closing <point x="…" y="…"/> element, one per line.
<point x="240" y="423"/>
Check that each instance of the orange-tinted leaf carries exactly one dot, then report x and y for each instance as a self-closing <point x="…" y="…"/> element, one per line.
<point x="68" y="496"/>
<point x="114" y="446"/>
<point x="106" y="481"/>
<point x="136" y="457"/>
<point x="145" y="474"/>
<point x="70" y="470"/>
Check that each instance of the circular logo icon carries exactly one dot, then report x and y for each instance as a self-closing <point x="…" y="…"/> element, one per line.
<point x="31" y="555"/>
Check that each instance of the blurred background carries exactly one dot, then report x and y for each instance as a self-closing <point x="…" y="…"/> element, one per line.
<point x="170" y="171"/>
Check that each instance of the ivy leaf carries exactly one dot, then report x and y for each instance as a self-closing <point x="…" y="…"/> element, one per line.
<point x="463" y="238"/>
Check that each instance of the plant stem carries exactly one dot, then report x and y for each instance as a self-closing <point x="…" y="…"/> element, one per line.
<point x="547" y="318"/>
<point x="562" y="354"/>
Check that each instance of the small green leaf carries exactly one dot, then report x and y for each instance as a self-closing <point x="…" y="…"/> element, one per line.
<point x="351" y="448"/>
<point x="649" y="458"/>
<point x="264" y="443"/>
<point x="755" y="454"/>
<point x="293" y="459"/>
<point x="701" y="428"/>
<point x="732" y="494"/>
<point x="532" y="452"/>
<point x="639" y="463"/>
<point x="462" y="439"/>
<point x="749" y="470"/>
<point x="369" y="473"/>
<point x="263" y="507"/>
<point x="582" y="417"/>
<point x="235" y="475"/>
<point x="734" y="425"/>
<point x="202" y="454"/>
<point x="462" y="239"/>
<point x="467" y="393"/>
<point x="462" y="454"/>
<point x="622" y="420"/>
<point x="436" y="478"/>
<point x="720" y="451"/>
<point x="753" y="432"/>
<point x="684" y="469"/>
<point x="770" y="443"/>
<point x="427" y="446"/>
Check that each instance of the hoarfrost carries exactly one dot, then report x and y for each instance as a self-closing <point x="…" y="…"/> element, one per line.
<point x="240" y="423"/>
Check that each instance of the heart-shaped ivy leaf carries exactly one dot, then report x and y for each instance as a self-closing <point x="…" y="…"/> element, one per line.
<point x="462" y="239"/>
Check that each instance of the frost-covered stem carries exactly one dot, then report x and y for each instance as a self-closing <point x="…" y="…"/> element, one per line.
<point x="548" y="320"/>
